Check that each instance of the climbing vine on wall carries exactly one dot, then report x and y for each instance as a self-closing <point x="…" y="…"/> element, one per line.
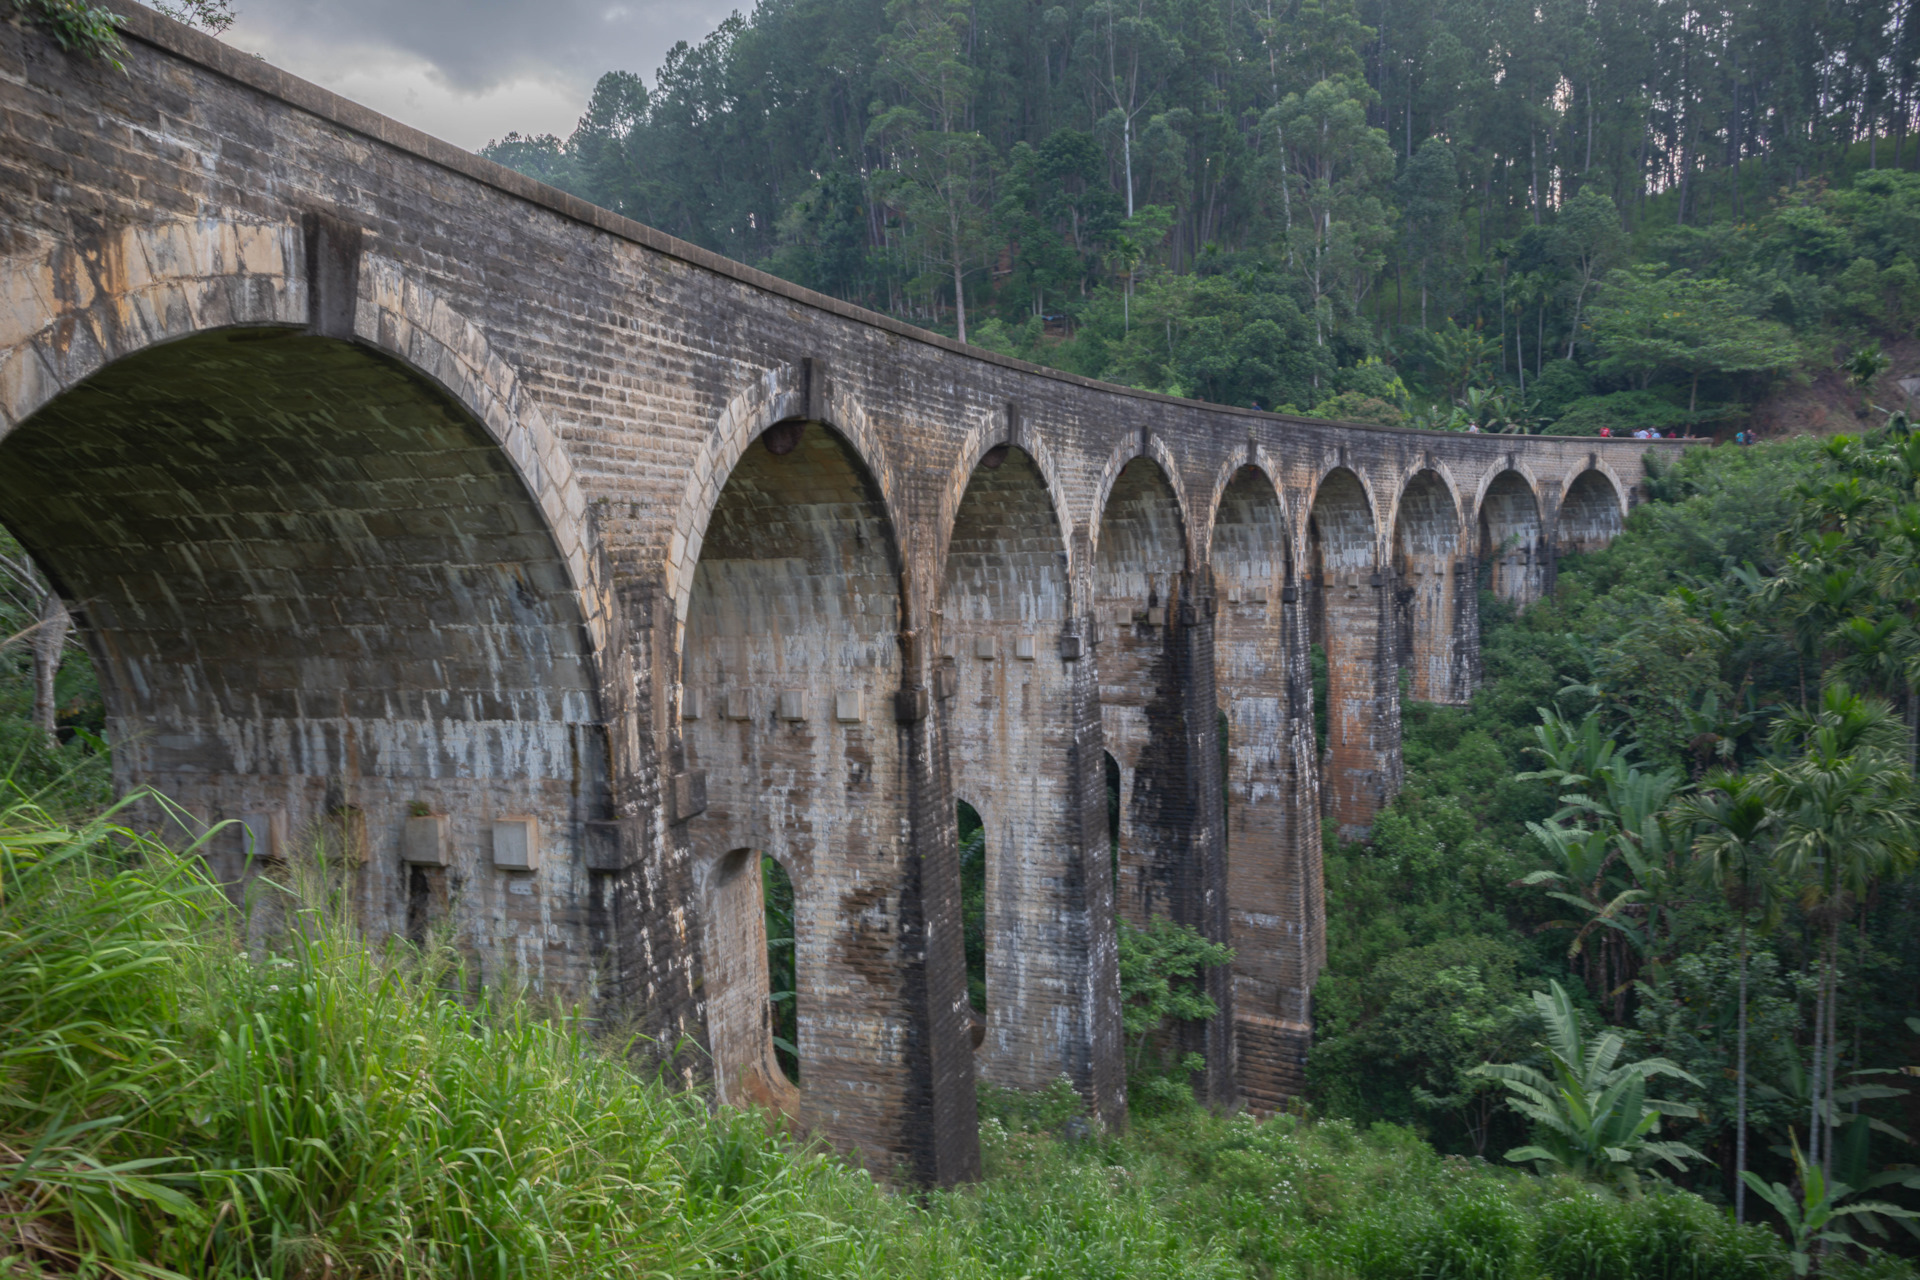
<point x="90" y="30"/>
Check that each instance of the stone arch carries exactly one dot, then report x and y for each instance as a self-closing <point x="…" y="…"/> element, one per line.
<point x="1433" y="615"/>
<point x="794" y="392"/>
<point x="983" y="438"/>
<point x="1155" y="450"/>
<point x="1274" y="892"/>
<point x="1008" y="678"/>
<point x="95" y="301"/>
<point x="1511" y="535"/>
<point x="1592" y="510"/>
<point x="1353" y="618"/>
<point x="1439" y="469"/>
<point x="788" y="670"/>
<point x="736" y="983"/>
<point x="1138" y="583"/>
<point x="326" y="597"/>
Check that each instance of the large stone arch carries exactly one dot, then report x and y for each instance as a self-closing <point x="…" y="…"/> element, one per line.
<point x="1353" y="618"/>
<point x="77" y="306"/>
<point x="1002" y="431"/>
<point x="798" y="392"/>
<point x="1011" y="680"/>
<point x="1139" y="585"/>
<point x="1275" y="896"/>
<point x="1512" y="533"/>
<point x="339" y="590"/>
<point x="1434" y="608"/>
<point x="789" y="665"/>
<point x="1591" y="511"/>
<point x="1154" y="449"/>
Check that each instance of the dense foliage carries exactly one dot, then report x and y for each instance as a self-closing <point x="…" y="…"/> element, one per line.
<point x="1685" y="792"/>
<point x="303" y="1107"/>
<point x="1638" y="214"/>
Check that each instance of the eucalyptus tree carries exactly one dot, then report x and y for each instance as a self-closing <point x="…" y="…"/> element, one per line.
<point x="941" y="167"/>
<point x="1732" y="851"/>
<point x="1846" y="806"/>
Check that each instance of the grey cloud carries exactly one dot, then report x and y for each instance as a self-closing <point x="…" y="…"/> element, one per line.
<point x="476" y="45"/>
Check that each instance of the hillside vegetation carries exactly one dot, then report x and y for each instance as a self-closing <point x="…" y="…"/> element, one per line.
<point x="1641" y="214"/>
<point x="176" y="1102"/>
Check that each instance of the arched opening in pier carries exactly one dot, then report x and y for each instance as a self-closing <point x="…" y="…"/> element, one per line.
<point x="789" y="664"/>
<point x="1428" y="609"/>
<point x="1137" y="583"/>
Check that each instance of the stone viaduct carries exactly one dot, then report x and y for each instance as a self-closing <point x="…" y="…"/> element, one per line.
<point x="553" y="572"/>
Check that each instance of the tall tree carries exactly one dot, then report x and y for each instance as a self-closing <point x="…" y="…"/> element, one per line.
<point x="939" y="176"/>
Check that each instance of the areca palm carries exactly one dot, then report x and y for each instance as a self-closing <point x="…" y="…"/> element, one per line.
<point x="1846" y="822"/>
<point x="1732" y="850"/>
<point x="1592" y="1116"/>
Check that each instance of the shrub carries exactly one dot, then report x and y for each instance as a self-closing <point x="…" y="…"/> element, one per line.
<point x="1625" y="411"/>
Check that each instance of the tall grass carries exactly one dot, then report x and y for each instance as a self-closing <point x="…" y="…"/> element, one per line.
<point x="178" y="1100"/>
<point x="170" y="1103"/>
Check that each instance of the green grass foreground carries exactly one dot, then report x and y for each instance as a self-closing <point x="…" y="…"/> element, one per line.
<point x="171" y="1103"/>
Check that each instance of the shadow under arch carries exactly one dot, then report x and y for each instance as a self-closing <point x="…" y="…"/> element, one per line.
<point x="1275" y="898"/>
<point x="1434" y="608"/>
<point x="1353" y="621"/>
<point x="322" y="596"/>
<point x="1512" y="538"/>
<point x="1011" y="675"/>
<point x="1589" y="516"/>
<point x="1138" y="585"/>
<point x="788" y="670"/>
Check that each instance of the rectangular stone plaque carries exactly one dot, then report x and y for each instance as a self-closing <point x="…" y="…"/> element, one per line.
<point x="516" y="843"/>
<point x="424" y="841"/>
<point x="689" y="794"/>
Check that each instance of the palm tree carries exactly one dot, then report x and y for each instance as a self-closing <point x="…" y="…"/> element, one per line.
<point x="1732" y="852"/>
<point x="1846" y="821"/>
<point x="1591" y="1118"/>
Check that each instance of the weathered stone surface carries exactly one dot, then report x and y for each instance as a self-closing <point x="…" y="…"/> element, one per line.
<point x="389" y="484"/>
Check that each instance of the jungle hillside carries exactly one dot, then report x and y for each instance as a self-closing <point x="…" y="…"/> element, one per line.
<point x="1638" y="215"/>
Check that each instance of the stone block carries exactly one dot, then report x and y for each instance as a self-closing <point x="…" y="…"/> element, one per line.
<point x="516" y="843"/>
<point x="423" y="842"/>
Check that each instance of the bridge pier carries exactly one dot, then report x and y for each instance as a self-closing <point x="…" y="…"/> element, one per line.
<point x="1011" y="679"/>
<point x="1354" y="613"/>
<point x="1272" y="810"/>
<point x="791" y="706"/>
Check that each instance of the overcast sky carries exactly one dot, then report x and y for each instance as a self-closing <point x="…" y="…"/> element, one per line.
<point x="470" y="70"/>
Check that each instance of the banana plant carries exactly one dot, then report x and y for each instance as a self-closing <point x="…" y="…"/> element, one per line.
<point x="1814" y="1216"/>
<point x="1592" y="1117"/>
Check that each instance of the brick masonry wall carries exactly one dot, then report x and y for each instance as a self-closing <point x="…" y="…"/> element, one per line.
<point x="1512" y="538"/>
<point x="590" y="393"/>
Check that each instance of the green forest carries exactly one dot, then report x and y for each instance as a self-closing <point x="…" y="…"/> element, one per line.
<point x="1551" y="216"/>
